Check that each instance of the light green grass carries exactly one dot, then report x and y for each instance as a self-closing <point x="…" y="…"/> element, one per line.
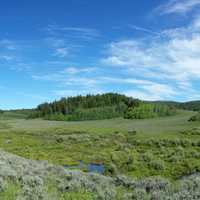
<point x="53" y="193"/>
<point x="12" y="115"/>
<point x="157" y="148"/>
<point x="10" y="192"/>
<point x="146" y="126"/>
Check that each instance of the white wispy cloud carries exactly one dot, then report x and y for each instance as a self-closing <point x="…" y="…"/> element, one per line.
<point x="20" y="66"/>
<point x="72" y="78"/>
<point x="143" y="88"/>
<point x="7" y="44"/>
<point x="6" y="57"/>
<point x="64" y="40"/>
<point x="178" y="55"/>
<point x="174" y="59"/>
<point x="68" y="76"/>
<point x="7" y="50"/>
<point x="178" y="6"/>
<point x="146" y="30"/>
<point x="12" y="54"/>
<point x="73" y="32"/>
<point x="61" y="47"/>
<point x="61" y="52"/>
<point x="75" y="70"/>
<point x="72" y="81"/>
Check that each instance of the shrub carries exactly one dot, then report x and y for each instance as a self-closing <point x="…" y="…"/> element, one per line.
<point x="78" y="195"/>
<point x="149" y="110"/>
<point x="10" y="191"/>
<point x="56" y="117"/>
<point x="157" y="164"/>
<point x="111" y="169"/>
<point x="194" y="131"/>
<point x="195" y="118"/>
<point x="96" y="113"/>
<point x="147" y="157"/>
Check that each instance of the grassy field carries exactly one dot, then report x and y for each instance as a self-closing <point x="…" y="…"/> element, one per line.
<point x="168" y="146"/>
<point x="12" y="115"/>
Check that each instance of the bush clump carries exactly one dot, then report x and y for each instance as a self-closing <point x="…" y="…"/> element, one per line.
<point x="157" y="164"/>
<point x="149" y="110"/>
<point x="195" y="118"/>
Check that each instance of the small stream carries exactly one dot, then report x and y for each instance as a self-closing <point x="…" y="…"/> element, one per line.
<point x="91" y="167"/>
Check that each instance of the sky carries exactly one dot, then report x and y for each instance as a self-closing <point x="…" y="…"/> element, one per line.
<point x="144" y="49"/>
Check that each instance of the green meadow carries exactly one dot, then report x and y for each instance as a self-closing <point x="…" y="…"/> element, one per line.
<point x="164" y="146"/>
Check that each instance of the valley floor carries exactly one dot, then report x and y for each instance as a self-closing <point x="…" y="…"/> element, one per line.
<point x="22" y="179"/>
<point x="167" y="147"/>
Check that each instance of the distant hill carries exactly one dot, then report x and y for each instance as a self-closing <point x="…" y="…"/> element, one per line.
<point x="104" y="106"/>
<point x="15" y="114"/>
<point x="101" y="106"/>
<point x="89" y="107"/>
<point x="190" y="105"/>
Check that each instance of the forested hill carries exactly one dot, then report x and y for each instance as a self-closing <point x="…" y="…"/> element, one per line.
<point x="104" y="106"/>
<point x="69" y="105"/>
<point x="190" y="105"/>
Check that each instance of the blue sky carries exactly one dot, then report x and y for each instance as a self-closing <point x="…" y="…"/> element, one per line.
<point x="145" y="49"/>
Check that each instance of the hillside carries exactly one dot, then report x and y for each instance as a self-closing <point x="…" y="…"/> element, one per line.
<point x="32" y="180"/>
<point x="136" y="147"/>
<point x="104" y="106"/>
<point x="190" y="105"/>
<point x="88" y="107"/>
<point x="112" y="159"/>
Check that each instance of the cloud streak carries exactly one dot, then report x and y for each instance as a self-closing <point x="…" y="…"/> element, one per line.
<point x="73" y="32"/>
<point x="138" y="28"/>
<point x="174" y="59"/>
<point x="88" y="83"/>
<point x="178" y="6"/>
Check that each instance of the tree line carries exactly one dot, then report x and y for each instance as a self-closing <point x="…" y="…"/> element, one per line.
<point x="94" y="107"/>
<point x="190" y="105"/>
<point x="149" y="110"/>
